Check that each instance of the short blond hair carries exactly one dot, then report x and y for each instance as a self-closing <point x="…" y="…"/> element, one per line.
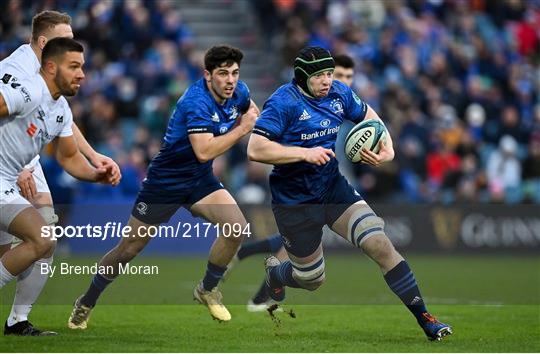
<point x="47" y="20"/>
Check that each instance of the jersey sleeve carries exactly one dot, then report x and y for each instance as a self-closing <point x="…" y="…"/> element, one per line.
<point x="198" y="118"/>
<point x="67" y="125"/>
<point x="272" y="121"/>
<point x="245" y="97"/>
<point x="21" y="98"/>
<point x="356" y="108"/>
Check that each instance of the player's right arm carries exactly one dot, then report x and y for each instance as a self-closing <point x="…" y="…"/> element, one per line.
<point x="20" y="103"/>
<point x="72" y="160"/>
<point x="263" y="144"/>
<point x="95" y="158"/>
<point x="264" y="150"/>
<point x="3" y="107"/>
<point x="19" y="98"/>
<point x="207" y="146"/>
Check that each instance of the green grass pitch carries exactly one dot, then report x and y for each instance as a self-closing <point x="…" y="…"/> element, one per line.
<point x="493" y="304"/>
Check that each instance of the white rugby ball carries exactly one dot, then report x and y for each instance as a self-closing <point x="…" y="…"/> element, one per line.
<point x="365" y="134"/>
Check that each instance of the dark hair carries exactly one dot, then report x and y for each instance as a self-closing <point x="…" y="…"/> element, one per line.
<point x="59" y="46"/>
<point x="219" y="54"/>
<point x="344" y="60"/>
<point x="46" y="20"/>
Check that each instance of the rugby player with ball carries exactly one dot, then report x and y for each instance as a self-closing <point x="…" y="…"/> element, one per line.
<point x="296" y="133"/>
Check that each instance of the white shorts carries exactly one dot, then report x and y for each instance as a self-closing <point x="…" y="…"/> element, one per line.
<point x="11" y="205"/>
<point x="39" y="176"/>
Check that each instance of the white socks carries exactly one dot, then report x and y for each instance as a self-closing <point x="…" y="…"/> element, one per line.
<point x="29" y="286"/>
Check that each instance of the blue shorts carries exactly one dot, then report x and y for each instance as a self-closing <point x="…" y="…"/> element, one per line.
<point x="156" y="205"/>
<point x="301" y="225"/>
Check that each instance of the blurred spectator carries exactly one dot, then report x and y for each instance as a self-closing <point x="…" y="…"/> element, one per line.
<point x="504" y="170"/>
<point x="439" y="163"/>
<point x="531" y="171"/>
<point x="468" y="181"/>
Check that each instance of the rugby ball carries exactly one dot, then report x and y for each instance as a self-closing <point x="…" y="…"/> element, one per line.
<point x="365" y="134"/>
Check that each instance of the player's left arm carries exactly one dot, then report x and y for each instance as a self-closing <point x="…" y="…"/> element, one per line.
<point x="73" y="161"/>
<point x="358" y="110"/>
<point x="95" y="158"/>
<point x="386" y="146"/>
<point x="253" y="106"/>
<point x="207" y="147"/>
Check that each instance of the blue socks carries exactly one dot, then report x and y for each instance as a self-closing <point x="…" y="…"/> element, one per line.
<point x="213" y="275"/>
<point x="403" y="283"/>
<point x="283" y="274"/>
<point x="98" y="284"/>
<point x="270" y="245"/>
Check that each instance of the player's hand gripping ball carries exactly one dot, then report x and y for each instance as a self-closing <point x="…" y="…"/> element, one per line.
<point x="364" y="135"/>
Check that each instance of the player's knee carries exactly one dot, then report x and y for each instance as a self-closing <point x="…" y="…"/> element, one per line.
<point x="237" y="239"/>
<point x="312" y="285"/>
<point x="50" y="217"/>
<point x="363" y="225"/>
<point x="379" y="248"/>
<point x="234" y="231"/>
<point x="50" y="253"/>
<point x="311" y="276"/>
<point x="234" y="238"/>
<point x="43" y="247"/>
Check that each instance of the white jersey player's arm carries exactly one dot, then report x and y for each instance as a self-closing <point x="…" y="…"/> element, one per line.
<point x="83" y="144"/>
<point x="95" y="158"/>
<point x="3" y="108"/>
<point x="73" y="161"/>
<point x="18" y="99"/>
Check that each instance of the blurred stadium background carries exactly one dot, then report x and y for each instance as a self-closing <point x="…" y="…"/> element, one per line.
<point x="457" y="83"/>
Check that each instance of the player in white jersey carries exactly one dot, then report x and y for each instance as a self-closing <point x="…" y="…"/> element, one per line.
<point x="25" y="62"/>
<point x="36" y="115"/>
<point x="33" y="113"/>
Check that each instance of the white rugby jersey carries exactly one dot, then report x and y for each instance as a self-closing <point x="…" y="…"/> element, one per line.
<point x="35" y="119"/>
<point x="20" y="64"/>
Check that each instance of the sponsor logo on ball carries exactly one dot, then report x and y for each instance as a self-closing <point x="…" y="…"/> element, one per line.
<point x="356" y="147"/>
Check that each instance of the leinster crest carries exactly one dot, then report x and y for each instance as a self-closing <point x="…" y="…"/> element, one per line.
<point x="337" y="106"/>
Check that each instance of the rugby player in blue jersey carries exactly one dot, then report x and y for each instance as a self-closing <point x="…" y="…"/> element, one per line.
<point x="212" y="115"/>
<point x="344" y="72"/>
<point x="296" y="133"/>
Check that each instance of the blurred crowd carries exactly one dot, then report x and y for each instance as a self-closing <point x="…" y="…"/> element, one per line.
<point x="140" y="57"/>
<point x="456" y="82"/>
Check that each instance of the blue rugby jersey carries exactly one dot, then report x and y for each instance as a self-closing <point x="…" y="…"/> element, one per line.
<point x="176" y="167"/>
<point x="291" y="118"/>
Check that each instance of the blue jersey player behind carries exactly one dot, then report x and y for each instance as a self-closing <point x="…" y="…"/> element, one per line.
<point x="212" y="115"/>
<point x="297" y="132"/>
